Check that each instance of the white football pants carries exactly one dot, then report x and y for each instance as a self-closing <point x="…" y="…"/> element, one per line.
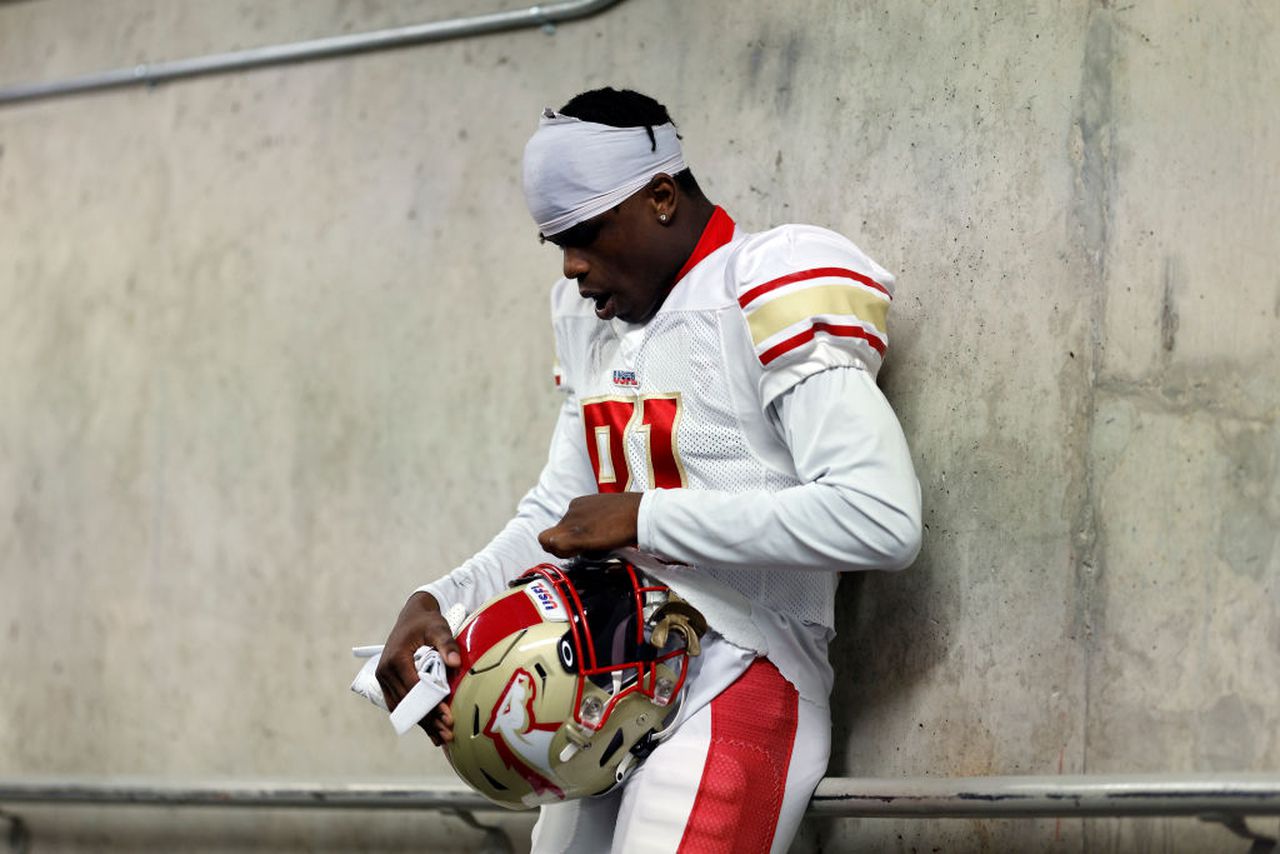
<point x="735" y="777"/>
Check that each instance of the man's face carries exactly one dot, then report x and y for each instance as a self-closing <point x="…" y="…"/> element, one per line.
<point x="622" y="260"/>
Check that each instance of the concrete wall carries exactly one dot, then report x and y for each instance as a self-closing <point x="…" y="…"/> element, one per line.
<point x="273" y="351"/>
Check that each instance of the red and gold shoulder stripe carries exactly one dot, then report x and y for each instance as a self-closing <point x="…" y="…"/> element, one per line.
<point x="790" y="311"/>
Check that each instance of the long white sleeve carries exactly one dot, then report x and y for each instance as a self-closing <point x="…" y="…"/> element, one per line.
<point x="858" y="508"/>
<point x="566" y="475"/>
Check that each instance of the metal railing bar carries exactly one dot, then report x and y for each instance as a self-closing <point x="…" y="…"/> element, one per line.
<point x="1050" y="797"/>
<point x="151" y="73"/>
<point x="265" y="794"/>
<point x="933" y="797"/>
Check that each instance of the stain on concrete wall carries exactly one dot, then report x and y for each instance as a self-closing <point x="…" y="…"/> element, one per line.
<point x="274" y="350"/>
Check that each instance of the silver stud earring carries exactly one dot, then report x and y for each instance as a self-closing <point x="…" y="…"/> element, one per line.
<point x="662" y="217"/>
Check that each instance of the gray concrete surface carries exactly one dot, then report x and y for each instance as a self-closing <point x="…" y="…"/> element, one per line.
<point x="273" y="351"/>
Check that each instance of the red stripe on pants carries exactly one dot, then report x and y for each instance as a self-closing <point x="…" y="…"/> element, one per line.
<point x="753" y="728"/>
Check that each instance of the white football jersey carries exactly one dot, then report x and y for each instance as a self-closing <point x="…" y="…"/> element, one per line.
<point x="683" y="400"/>
<point x="746" y="410"/>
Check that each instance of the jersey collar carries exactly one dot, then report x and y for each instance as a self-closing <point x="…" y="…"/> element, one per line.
<point x="718" y="232"/>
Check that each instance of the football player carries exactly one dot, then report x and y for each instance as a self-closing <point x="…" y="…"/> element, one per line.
<point x="720" y="411"/>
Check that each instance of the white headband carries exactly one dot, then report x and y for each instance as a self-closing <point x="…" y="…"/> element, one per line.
<point x="574" y="170"/>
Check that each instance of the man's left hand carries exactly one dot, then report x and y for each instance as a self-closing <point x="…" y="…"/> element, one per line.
<point x="594" y="523"/>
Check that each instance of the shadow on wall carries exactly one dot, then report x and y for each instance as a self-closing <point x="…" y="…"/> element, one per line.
<point x="891" y="634"/>
<point x="892" y="630"/>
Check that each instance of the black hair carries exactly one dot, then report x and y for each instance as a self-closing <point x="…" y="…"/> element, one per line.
<point x="626" y="108"/>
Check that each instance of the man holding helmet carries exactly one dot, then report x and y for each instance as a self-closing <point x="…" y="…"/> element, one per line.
<point x="720" y="413"/>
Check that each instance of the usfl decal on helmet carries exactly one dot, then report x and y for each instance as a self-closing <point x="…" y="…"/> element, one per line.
<point x="566" y="681"/>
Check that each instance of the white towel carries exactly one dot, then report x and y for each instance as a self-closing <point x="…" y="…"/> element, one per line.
<point x="423" y="697"/>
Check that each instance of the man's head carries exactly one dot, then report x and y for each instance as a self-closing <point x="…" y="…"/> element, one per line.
<point x="605" y="180"/>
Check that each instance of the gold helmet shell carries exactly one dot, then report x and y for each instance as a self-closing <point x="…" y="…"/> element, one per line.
<point x="566" y="680"/>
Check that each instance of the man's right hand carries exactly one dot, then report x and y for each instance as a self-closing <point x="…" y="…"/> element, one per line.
<point x="420" y="624"/>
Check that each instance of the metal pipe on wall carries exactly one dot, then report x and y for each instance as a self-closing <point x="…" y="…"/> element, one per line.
<point x="1226" y="799"/>
<point x="1066" y="796"/>
<point x="1092" y="795"/>
<point x="158" y="72"/>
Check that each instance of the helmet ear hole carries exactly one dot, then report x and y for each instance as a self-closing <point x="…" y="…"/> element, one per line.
<point x="568" y="659"/>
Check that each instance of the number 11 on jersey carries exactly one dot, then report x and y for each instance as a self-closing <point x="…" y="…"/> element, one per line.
<point x="612" y="422"/>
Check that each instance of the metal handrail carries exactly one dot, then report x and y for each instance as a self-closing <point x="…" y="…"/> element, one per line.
<point x="545" y="15"/>
<point x="869" y="797"/>
<point x="1050" y="797"/>
<point x="1228" y="799"/>
<point x="138" y="791"/>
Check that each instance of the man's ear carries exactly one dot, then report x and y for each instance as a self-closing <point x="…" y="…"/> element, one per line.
<point x="663" y="197"/>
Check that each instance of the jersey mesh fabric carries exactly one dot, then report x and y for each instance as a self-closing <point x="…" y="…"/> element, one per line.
<point x="699" y="346"/>
<point x="683" y="350"/>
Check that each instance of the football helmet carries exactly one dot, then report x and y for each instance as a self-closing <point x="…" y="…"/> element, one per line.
<point x="566" y="681"/>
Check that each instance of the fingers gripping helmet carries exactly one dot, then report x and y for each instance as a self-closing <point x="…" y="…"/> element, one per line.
<point x="566" y="680"/>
